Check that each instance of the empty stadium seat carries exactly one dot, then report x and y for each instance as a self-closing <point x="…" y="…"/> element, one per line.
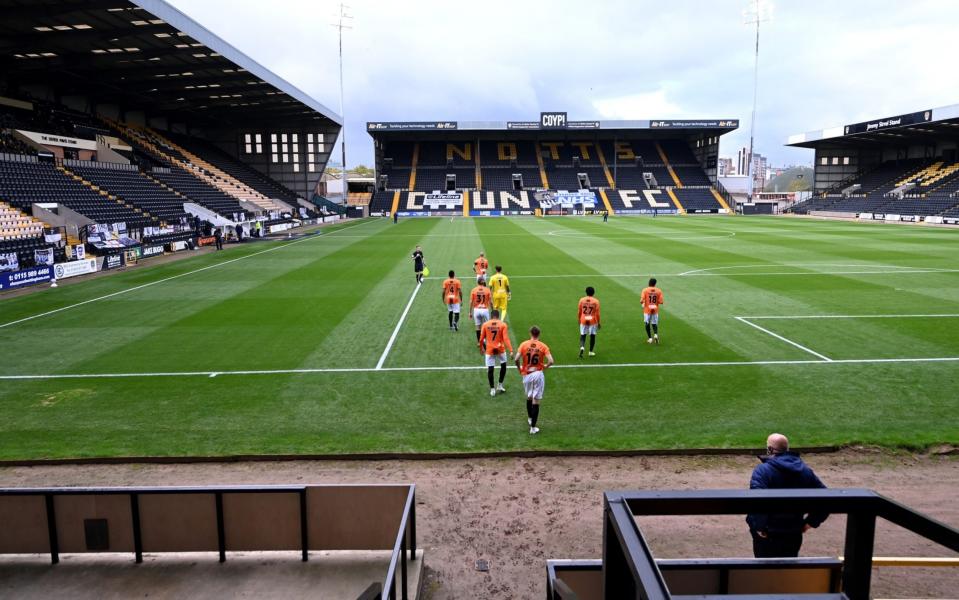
<point x="134" y="188"/>
<point x="24" y="183"/>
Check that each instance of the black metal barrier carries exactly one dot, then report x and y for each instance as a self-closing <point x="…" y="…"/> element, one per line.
<point x="405" y="536"/>
<point x="629" y="569"/>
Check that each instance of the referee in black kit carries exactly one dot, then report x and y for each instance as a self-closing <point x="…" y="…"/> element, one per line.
<point x="418" y="264"/>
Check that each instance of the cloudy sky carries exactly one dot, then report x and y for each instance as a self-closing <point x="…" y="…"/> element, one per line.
<point x="822" y="62"/>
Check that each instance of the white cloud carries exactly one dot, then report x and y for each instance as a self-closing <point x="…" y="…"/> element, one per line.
<point x="649" y="105"/>
<point x="822" y="62"/>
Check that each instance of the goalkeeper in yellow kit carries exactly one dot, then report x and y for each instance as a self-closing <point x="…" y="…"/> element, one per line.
<point x="499" y="285"/>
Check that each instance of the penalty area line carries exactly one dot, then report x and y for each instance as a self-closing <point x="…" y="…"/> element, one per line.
<point x="396" y="330"/>
<point x="787" y="340"/>
<point x="730" y="363"/>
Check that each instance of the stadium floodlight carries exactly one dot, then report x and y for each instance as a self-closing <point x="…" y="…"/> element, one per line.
<point x="756" y="12"/>
<point x="340" y="25"/>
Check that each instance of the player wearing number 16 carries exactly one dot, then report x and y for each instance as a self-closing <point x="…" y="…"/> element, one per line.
<point x="532" y="358"/>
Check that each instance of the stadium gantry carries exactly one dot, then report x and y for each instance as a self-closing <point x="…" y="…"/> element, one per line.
<point x="550" y="166"/>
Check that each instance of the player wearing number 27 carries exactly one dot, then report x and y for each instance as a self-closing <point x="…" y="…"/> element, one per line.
<point x="588" y="321"/>
<point x="652" y="299"/>
<point x="532" y="358"/>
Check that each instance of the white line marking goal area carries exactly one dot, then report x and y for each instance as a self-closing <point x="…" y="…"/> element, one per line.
<point x="396" y="331"/>
<point x="787" y="340"/>
<point x="749" y="321"/>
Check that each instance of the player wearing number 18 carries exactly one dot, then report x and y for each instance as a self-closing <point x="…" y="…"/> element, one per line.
<point x="532" y="358"/>
<point x="652" y="299"/>
<point x="588" y="321"/>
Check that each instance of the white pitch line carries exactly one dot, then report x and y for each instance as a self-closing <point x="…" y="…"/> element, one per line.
<point x="941" y="316"/>
<point x="146" y="285"/>
<point x="753" y="363"/>
<point x="787" y="340"/>
<point x="902" y="271"/>
<point x="800" y="265"/>
<point x="396" y="331"/>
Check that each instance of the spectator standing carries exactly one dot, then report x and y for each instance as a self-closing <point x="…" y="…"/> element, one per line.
<point x="780" y="535"/>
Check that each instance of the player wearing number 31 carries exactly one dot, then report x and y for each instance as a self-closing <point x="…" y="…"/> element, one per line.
<point x="532" y="358"/>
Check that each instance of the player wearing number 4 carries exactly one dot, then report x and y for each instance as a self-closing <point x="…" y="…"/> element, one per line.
<point x="588" y="321"/>
<point x="652" y="299"/>
<point x="494" y="342"/>
<point x="532" y="358"/>
<point x="452" y="297"/>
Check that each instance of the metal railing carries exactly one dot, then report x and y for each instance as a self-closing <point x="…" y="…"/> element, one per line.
<point x="405" y="534"/>
<point x="631" y="571"/>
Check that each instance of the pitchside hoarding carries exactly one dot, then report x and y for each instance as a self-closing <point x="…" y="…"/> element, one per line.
<point x="75" y="268"/>
<point x="10" y="280"/>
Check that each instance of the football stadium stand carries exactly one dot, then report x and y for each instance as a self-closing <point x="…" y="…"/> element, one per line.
<point x="525" y="168"/>
<point x="132" y="187"/>
<point x="901" y="168"/>
<point x="28" y="181"/>
<point x="136" y="126"/>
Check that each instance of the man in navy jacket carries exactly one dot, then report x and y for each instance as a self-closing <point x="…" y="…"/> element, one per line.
<point x="780" y="534"/>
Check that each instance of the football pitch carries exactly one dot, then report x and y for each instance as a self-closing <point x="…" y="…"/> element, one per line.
<point x="832" y="332"/>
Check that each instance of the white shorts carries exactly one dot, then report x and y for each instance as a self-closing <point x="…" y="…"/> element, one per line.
<point x="496" y="359"/>
<point x="533" y="384"/>
<point x="651" y="318"/>
<point x="453" y="308"/>
<point x="480" y="316"/>
<point x="587" y="329"/>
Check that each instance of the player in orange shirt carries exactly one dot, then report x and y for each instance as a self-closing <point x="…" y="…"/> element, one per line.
<point x="588" y="321"/>
<point x="452" y="296"/>
<point x="494" y="342"/>
<point x="479" y="304"/>
<point x="480" y="265"/>
<point x="652" y="299"/>
<point x="532" y="358"/>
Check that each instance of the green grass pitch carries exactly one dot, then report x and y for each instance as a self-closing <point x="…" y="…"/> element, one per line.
<point x="162" y="345"/>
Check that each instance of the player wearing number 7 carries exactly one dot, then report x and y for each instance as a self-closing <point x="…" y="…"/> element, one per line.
<point x="493" y="343"/>
<point x="588" y="321"/>
<point x="532" y="358"/>
<point x="652" y="299"/>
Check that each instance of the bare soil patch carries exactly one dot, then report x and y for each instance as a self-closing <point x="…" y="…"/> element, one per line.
<point x="519" y="512"/>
